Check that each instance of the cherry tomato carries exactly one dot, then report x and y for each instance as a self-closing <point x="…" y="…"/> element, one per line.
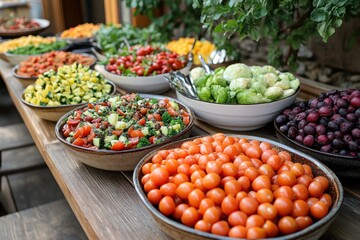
<point x="220" y="228"/>
<point x="159" y="176"/>
<point x="203" y="226"/>
<point x="190" y="217"/>
<point x="255" y="233"/>
<point x="319" y="210"/>
<point x="287" y="225"/>
<point x="267" y="211"/>
<point x="237" y="232"/>
<point x="248" y="205"/>
<point x="167" y="205"/>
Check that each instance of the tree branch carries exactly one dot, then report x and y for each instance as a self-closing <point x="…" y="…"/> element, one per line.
<point x="298" y="23"/>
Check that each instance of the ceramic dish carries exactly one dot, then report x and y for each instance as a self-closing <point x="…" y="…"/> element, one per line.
<point x="237" y="117"/>
<point x="177" y="230"/>
<point x="124" y="160"/>
<point x="53" y="113"/>
<point x="32" y="31"/>
<point x="345" y="166"/>
<point x="148" y="84"/>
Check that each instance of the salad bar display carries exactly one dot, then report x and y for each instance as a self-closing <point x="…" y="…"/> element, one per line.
<point x="214" y="186"/>
<point x="36" y="65"/>
<point x="145" y="61"/>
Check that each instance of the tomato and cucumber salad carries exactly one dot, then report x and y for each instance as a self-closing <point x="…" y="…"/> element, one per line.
<point x="145" y="61"/>
<point x="125" y="122"/>
<point x="236" y="187"/>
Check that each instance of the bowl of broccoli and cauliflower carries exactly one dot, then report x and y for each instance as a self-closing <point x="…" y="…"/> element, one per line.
<point x="241" y="97"/>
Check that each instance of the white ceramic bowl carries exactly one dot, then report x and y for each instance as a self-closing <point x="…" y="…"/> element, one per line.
<point x="238" y="117"/>
<point x="148" y="84"/>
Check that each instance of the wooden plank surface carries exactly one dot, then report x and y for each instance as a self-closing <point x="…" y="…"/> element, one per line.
<point x="106" y="203"/>
<point x="50" y="221"/>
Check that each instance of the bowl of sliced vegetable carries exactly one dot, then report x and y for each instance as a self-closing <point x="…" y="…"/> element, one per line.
<point x="56" y="92"/>
<point x="20" y="26"/>
<point x="142" y="69"/>
<point x="240" y="97"/>
<point x="115" y="133"/>
<point x="20" y="54"/>
<point x="255" y="189"/>
<point x="29" y="70"/>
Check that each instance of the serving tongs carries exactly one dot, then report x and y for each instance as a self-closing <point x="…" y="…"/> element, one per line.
<point x="181" y="83"/>
<point x="207" y="68"/>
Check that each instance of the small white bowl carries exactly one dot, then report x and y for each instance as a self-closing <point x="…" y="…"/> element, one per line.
<point x="238" y="117"/>
<point x="148" y="84"/>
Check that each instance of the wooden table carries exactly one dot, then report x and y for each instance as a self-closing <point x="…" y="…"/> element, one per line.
<point x="106" y="204"/>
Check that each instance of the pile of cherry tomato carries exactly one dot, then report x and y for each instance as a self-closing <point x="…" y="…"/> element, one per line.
<point x="146" y="61"/>
<point x="235" y="187"/>
<point x="17" y="23"/>
<point x="36" y="65"/>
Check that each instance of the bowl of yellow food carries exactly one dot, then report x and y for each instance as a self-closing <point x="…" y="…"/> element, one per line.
<point x="80" y="34"/>
<point x="56" y="92"/>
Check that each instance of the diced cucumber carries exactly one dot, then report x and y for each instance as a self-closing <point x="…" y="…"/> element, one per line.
<point x="150" y="124"/>
<point x="89" y="114"/>
<point x="174" y="105"/>
<point x="176" y="127"/>
<point x="109" y="138"/>
<point x="113" y="119"/>
<point x="164" y="130"/>
<point x="96" y="142"/>
<point x="123" y="139"/>
<point x="121" y="125"/>
<point x="145" y="131"/>
<point x="98" y="94"/>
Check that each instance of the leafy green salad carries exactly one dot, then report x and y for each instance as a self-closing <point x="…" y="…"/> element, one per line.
<point x="242" y="84"/>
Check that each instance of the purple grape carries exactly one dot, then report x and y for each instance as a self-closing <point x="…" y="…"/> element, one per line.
<point x="338" y="134"/>
<point x="324" y="121"/>
<point x="331" y="136"/>
<point x="342" y="103"/>
<point x="309" y="130"/>
<point x="355" y="102"/>
<point x="351" y="109"/>
<point x="299" y="138"/>
<point x="322" y="96"/>
<point x="287" y="111"/>
<point x="302" y="124"/>
<point x="332" y="92"/>
<point x="353" y="146"/>
<point x="346" y="127"/>
<point x="320" y="104"/>
<point x="296" y="110"/>
<point x="291" y="124"/>
<point x="326" y="148"/>
<point x="284" y="128"/>
<point x="328" y="102"/>
<point x="357" y="112"/>
<point x="293" y="132"/>
<point x="325" y="111"/>
<point x="343" y="111"/>
<point x="338" y="144"/>
<point x="339" y="120"/>
<point x="302" y="105"/>
<point x="347" y="138"/>
<point x="309" y="140"/>
<point x="333" y="126"/>
<point x="343" y="152"/>
<point x="320" y="129"/>
<point x="323" y="139"/>
<point x="280" y="120"/>
<point x="300" y="116"/>
<point x="356" y="133"/>
<point x="301" y="132"/>
<point x="313" y="103"/>
<point x="313" y="117"/>
<point x="352" y="117"/>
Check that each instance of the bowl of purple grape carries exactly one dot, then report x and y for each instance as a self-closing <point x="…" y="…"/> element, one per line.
<point x="327" y="128"/>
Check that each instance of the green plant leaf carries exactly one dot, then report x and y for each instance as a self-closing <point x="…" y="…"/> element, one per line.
<point x="318" y="15"/>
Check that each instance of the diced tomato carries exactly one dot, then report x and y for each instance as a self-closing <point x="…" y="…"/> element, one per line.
<point x="143" y="111"/>
<point x="87" y="130"/>
<point x="105" y="123"/>
<point x="152" y="139"/>
<point x="142" y="122"/>
<point x="97" y="107"/>
<point x="73" y="121"/>
<point x="79" y="142"/>
<point x="96" y="120"/>
<point x="157" y="116"/>
<point x="118" y="146"/>
<point x="136" y="133"/>
<point x="91" y="135"/>
<point x="172" y="111"/>
<point x="120" y="112"/>
<point x="117" y="132"/>
<point x="67" y="132"/>
<point x="186" y="120"/>
<point x="90" y="105"/>
<point x="79" y="133"/>
<point x="130" y="129"/>
<point x="97" y="124"/>
<point x="150" y="116"/>
<point x="134" y="140"/>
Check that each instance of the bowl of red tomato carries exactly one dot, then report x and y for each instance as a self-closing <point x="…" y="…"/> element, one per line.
<point x="28" y="71"/>
<point x="20" y="26"/>
<point x="142" y="69"/>
<point x="237" y="186"/>
<point x="114" y="134"/>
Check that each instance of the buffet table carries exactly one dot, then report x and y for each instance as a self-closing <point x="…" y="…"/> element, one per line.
<point x="106" y="204"/>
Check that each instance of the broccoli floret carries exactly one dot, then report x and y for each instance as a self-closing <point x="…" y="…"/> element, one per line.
<point x="143" y="142"/>
<point x="166" y="118"/>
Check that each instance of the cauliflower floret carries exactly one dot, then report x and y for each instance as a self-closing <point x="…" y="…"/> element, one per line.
<point x="197" y="73"/>
<point x="270" y="79"/>
<point x="239" y="83"/>
<point x="273" y="93"/>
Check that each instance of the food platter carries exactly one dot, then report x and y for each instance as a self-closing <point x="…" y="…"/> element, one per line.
<point x="22" y="32"/>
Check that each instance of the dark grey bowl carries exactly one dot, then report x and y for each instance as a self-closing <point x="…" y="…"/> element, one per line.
<point x="177" y="230"/>
<point x="344" y="166"/>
